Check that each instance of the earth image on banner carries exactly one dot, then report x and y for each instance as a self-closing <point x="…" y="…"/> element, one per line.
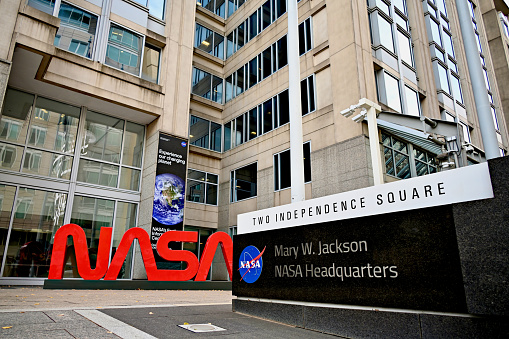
<point x="169" y="198"/>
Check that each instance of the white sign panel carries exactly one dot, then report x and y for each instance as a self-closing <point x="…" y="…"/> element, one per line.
<point x="444" y="188"/>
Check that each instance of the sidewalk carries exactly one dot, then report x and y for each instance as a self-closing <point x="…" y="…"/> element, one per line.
<point x="32" y="312"/>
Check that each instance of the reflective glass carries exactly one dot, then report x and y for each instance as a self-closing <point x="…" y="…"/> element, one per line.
<point x="15" y="115"/>
<point x="215" y="137"/>
<point x="392" y="92"/>
<point x="54" y="126"/>
<point x="102" y="139"/>
<point x="402" y="165"/>
<point x="47" y="164"/>
<point x="203" y="38"/>
<point x="77" y="29"/>
<point x="6" y="204"/>
<point x="10" y="156"/>
<point x="442" y="75"/>
<point x="157" y="8"/>
<point x="456" y="89"/>
<point x="124" y="50"/>
<point x="130" y="179"/>
<point x="201" y="83"/>
<point x="151" y="61"/>
<point x="385" y="33"/>
<point x="91" y="214"/>
<point x="125" y="218"/>
<point x="37" y="216"/>
<point x="46" y="6"/>
<point x="97" y="173"/>
<point x="405" y="51"/>
<point x="412" y="102"/>
<point x="133" y="144"/>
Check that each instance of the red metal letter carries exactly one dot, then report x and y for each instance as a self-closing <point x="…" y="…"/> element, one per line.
<point x="209" y="251"/>
<point x="123" y="249"/>
<point x="80" y="247"/>
<point x="177" y="255"/>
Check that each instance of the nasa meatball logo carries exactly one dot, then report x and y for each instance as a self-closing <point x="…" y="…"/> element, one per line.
<point x="250" y="264"/>
<point x="183" y="144"/>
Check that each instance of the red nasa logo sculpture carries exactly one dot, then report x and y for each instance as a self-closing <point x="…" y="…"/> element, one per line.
<point x="195" y="268"/>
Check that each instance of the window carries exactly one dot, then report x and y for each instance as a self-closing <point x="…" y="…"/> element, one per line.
<point x="46" y="6"/>
<point x="157" y="8"/>
<point x="388" y="90"/>
<point x="207" y="85"/>
<point x="209" y="41"/>
<point x="111" y="152"/>
<point x="202" y="187"/>
<point x="260" y="67"/>
<point x="151" y="61"/>
<point x="124" y="50"/>
<point x="307" y="95"/>
<point x="243" y="182"/>
<point x="204" y="133"/>
<point x="218" y="7"/>
<point x="413" y="106"/>
<point x="77" y="30"/>
<point x="404" y="160"/>
<point x="51" y="130"/>
<point x="282" y="168"/>
<point x="305" y="36"/>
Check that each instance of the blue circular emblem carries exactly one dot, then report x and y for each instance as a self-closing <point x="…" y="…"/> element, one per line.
<point x="183" y="143"/>
<point x="250" y="264"/>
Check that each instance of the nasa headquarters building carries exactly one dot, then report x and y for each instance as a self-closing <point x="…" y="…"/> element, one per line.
<point x="90" y="88"/>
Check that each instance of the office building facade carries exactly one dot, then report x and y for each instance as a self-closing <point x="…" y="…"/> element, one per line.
<point x="88" y="85"/>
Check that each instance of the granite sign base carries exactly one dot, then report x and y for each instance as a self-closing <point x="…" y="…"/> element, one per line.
<point x="435" y="272"/>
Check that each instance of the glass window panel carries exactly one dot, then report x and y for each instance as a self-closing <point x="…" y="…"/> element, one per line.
<point x="241" y="35"/>
<point x="199" y="132"/>
<point x="448" y="46"/>
<point x="229" y="88"/>
<point x="307" y="162"/>
<point x="102" y="139"/>
<point x="253" y="72"/>
<point x="445" y="22"/>
<point x="400" y="4"/>
<point x="244" y="182"/>
<point x="151" y="61"/>
<point x="10" y="156"/>
<point x="267" y="116"/>
<point x="253" y="123"/>
<point x="266" y="20"/>
<point x="441" y="6"/>
<point x="201" y="83"/>
<point x="284" y="170"/>
<point x="280" y="7"/>
<point x="385" y="33"/>
<point x="452" y="65"/>
<point x="133" y="144"/>
<point x="37" y="216"/>
<point x="203" y="38"/>
<point x="217" y="89"/>
<point x="240" y="136"/>
<point x="400" y="146"/>
<point x="47" y="164"/>
<point x="195" y="191"/>
<point x="215" y="137"/>
<point x="230" y="45"/>
<point x="91" y="214"/>
<point x="227" y="136"/>
<point x="240" y="81"/>
<point x="302" y="39"/>
<point x="435" y="32"/>
<point x="125" y="218"/>
<point x="218" y="46"/>
<point x="282" y="52"/>
<point x="6" y="205"/>
<point x="421" y="168"/>
<point x="129" y="47"/>
<point x="266" y="63"/>
<point x="253" y="25"/>
<point x="220" y="8"/>
<point x="211" y="194"/>
<point x="46" y="6"/>
<point x="383" y="6"/>
<point x="405" y="49"/>
<point x="308" y="40"/>
<point x="15" y="114"/>
<point x="393" y="99"/>
<point x="212" y="178"/>
<point x="97" y="173"/>
<point x="231" y="7"/>
<point x="402" y="164"/>
<point x="389" y="163"/>
<point x="54" y="126"/>
<point x="412" y="102"/>
<point x="157" y="8"/>
<point x="456" y="89"/>
<point x="130" y="179"/>
<point x="284" y="108"/>
<point x="401" y="22"/>
<point x="442" y="76"/>
<point x="77" y="30"/>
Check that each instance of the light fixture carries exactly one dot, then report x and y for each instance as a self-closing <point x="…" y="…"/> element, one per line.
<point x="205" y="42"/>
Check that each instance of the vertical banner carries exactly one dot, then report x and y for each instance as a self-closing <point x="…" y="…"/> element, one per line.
<point x="169" y="193"/>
